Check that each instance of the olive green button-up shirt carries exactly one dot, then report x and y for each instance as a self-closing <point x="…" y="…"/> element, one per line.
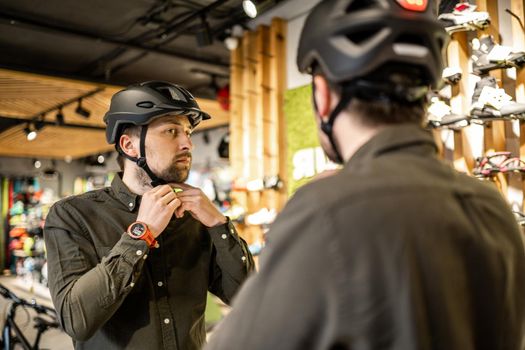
<point x="112" y="292"/>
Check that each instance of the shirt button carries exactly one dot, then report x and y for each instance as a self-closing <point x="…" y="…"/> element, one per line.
<point x="130" y="204"/>
<point x="224" y="236"/>
<point x="132" y="284"/>
<point x="243" y="258"/>
<point x="166" y="320"/>
<point x="159" y="283"/>
<point x="145" y="256"/>
<point x="138" y="252"/>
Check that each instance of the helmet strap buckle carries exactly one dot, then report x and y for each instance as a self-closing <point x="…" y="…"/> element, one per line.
<point x="141" y="162"/>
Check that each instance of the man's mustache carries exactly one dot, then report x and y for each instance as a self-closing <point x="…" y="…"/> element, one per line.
<point x="183" y="155"/>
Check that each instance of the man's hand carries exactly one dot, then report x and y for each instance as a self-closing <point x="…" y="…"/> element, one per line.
<point x="199" y="206"/>
<point x="157" y="208"/>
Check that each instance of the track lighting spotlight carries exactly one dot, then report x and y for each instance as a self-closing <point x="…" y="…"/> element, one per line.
<point x="37" y="164"/>
<point x="39" y="124"/>
<point x="30" y="132"/>
<point x="203" y="35"/>
<point x="60" y="117"/>
<point x="249" y="8"/>
<point x="81" y="111"/>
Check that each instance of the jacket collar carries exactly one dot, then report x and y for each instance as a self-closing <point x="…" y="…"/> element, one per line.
<point x="396" y="138"/>
<point x="123" y="194"/>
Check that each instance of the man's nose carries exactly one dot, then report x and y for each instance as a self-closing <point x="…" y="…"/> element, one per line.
<point x="186" y="144"/>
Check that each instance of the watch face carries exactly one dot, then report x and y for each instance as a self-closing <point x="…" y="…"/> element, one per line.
<point x="137" y="229"/>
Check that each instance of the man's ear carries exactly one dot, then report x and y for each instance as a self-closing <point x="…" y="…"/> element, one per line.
<point x="322" y="96"/>
<point x="128" y="146"/>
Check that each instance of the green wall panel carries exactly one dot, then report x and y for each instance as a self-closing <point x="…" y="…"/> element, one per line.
<point x="301" y="130"/>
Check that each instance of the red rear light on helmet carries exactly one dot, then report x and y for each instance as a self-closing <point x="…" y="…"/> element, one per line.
<point x="414" y="5"/>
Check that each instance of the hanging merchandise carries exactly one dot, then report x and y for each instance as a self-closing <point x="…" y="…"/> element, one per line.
<point x="223" y="97"/>
<point x="498" y="162"/>
<point x="464" y="17"/>
<point x="25" y="255"/>
<point x="490" y="102"/>
<point x="439" y="114"/>
<point x="451" y="75"/>
<point x="224" y="146"/>
<point x="488" y="56"/>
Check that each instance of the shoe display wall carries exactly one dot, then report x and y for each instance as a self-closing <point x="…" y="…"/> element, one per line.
<point x="478" y="119"/>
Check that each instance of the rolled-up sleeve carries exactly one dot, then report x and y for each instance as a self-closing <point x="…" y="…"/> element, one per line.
<point x="84" y="293"/>
<point x="231" y="261"/>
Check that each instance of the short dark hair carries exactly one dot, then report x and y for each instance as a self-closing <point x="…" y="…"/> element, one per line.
<point x="380" y="112"/>
<point x="375" y="113"/>
<point x="131" y="130"/>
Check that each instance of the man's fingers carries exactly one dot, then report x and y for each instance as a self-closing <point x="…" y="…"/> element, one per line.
<point x="189" y="198"/>
<point x="175" y="203"/>
<point x="185" y="206"/>
<point x="168" y="197"/>
<point x="182" y="186"/>
<point x="190" y="192"/>
<point x="162" y="190"/>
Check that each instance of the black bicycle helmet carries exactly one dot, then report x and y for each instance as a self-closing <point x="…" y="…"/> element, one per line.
<point x="386" y="50"/>
<point x="140" y="104"/>
<point x="351" y="39"/>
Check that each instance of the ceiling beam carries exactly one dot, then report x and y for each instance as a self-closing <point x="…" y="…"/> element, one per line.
<point x="16" y="19"/>
<point x="45" y="123"/>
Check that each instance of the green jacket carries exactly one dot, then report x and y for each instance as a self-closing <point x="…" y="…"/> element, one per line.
<point x="112" y="292"/>
<point x="397" y="251"/>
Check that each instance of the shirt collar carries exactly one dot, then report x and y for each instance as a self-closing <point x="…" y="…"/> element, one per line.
<point x="395" y="138"/>
<point x="123" y="194"/>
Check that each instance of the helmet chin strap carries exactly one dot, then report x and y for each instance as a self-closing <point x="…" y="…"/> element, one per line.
<point x="141" y="161"/>
<point x="328" y="126"/>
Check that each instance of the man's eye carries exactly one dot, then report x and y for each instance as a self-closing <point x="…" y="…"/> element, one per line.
<point x="172" y="131"/>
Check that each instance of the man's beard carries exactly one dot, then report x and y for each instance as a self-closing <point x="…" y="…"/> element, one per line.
<point x="174" y="173"/>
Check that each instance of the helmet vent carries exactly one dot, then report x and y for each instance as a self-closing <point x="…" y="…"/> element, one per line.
<point x="359" y="5"/>
<point x="172" y="93"/>
<point x="145" y="104"/>
<point x="358" y="37"/>
<point x="412" y="39"/>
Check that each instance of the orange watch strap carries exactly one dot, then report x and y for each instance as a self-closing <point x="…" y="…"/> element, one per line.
<point x="150" y="240"/>
<point x="147" y="236"/>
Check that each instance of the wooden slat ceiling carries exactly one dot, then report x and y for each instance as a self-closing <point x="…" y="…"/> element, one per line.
<point x="26" y="96"/>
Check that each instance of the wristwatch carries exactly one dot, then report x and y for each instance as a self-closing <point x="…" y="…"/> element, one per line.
<point x="139" y="230"/>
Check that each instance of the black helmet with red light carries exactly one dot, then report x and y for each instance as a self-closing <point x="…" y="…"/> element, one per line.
<point x="356" y="39"/>
<point x="376" y="50"/>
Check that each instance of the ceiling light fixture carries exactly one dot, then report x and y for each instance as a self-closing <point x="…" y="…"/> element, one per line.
<point x="37" y="164"/>
<point x="30" y="132"/>
<point x="81" y="111"/>
<point x="231" y="43"/>
<point x="249" y="8"/>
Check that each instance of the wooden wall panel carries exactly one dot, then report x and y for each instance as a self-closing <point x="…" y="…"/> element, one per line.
<point x="278" y="148"/>
<point x="257" y="120"/>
